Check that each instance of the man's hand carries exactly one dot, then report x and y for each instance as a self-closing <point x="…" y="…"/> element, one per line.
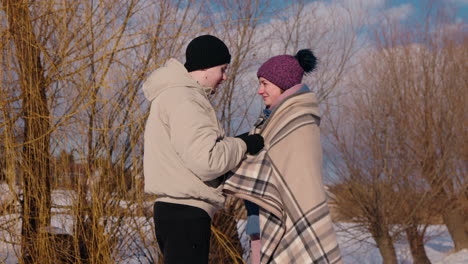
<point x="254" y="142"/>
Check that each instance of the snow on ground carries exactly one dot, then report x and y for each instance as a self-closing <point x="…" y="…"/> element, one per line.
<point x="363" y="250"/>
<point x="460" y="257"/>
<point x="138" y="242"/>
<point x="439" y="246"/>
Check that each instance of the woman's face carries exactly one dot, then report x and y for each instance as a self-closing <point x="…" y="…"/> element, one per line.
<point x="268" y="91"/>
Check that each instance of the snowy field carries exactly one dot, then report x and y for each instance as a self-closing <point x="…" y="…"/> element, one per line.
<point x="361" y="250"/>
<point x="439" y="247"/>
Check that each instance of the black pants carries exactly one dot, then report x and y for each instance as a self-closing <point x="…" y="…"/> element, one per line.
<point x="183" y="233"/>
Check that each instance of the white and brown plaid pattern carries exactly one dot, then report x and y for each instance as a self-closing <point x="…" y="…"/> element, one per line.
<point x="290" y="232"/>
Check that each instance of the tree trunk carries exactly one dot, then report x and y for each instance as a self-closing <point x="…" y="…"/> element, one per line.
<point x="456" y="221"/>
<point x="416" y="243"/>
<point x="36" y="157"/>
<point x="455" y="215"/>
<point x="384" y="243"/>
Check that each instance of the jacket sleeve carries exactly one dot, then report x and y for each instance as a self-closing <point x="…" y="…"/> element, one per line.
<point x="194" y="136"/>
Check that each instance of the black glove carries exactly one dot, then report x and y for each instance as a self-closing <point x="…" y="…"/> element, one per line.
<point x="254" y="142"/>
<point x="242" y="136"/>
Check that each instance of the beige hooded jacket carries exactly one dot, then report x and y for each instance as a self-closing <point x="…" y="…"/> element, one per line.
<point x="185" y="148"/>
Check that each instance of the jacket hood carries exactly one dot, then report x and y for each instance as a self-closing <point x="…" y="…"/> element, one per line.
<point x="172" y="74"/>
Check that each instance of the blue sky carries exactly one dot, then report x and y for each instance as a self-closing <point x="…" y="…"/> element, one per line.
<point x="460" y="6"/>
<point x="411" y="8"/>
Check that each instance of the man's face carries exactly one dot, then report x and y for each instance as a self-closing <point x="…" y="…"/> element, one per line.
<point x="214" y="76"/>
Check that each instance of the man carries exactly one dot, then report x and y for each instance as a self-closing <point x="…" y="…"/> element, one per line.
<point x="186" y="151"/>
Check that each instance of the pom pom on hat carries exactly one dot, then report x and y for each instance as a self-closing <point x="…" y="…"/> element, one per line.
<point x="306" y="59"/>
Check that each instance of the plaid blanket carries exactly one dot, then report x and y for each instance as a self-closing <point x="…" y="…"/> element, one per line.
<point x="291" y="231"/>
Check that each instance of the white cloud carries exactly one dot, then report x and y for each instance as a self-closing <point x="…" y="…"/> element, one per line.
<point x="460" y="2"/>
<point x="362" y="4"/>
<point x="399" y="13"/>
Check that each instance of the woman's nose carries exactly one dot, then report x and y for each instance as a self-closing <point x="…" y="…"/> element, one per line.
<point x="260" y="90"/>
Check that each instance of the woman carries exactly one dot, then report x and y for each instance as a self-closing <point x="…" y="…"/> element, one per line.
<point x="282" y="184"/>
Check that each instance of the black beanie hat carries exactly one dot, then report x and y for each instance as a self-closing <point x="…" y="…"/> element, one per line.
<point x="204" y="52"/>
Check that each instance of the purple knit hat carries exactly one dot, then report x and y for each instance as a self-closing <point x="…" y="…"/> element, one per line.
<point x="285" y="71"/>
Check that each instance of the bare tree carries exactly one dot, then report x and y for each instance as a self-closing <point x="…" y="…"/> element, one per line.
<point x="425" y="73"/>
<point x="35" y="163"/>
<point x="80" y="66"/>
<point x="402" y="119"/>
<point x="363" y="163"/>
